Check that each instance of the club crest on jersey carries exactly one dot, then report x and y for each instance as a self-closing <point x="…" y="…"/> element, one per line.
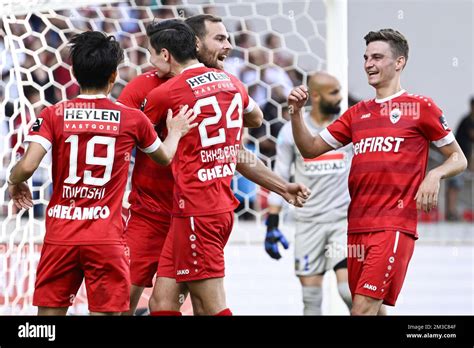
<point x="395" y="115"/>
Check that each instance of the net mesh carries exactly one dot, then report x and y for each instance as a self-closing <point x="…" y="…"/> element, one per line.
<point x="276" y="45"/>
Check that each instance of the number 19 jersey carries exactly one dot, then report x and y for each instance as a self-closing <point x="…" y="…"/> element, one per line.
<point x="206" y="158"/>
<point x="91" y="140"/>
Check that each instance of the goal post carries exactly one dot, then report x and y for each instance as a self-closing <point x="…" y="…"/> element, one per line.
<point x="337" y="45"/>
<point x="277" y="45"/>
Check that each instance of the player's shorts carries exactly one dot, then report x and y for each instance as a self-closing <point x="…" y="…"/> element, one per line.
<point x="319" y="247"/>
<point x="378" y="263"/>
<point x="194" y="247"/>
<point x="105" y="268"/>
<point x="145" y="238"/>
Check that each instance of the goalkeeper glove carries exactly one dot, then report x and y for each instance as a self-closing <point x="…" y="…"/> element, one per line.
<point x="274" y="236"/>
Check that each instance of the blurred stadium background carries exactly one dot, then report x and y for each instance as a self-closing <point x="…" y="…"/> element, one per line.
<point x="277" y="44"/>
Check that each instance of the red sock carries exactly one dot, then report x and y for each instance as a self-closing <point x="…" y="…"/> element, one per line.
<point x="224" y="313"/>
<point x="166" y="313"/>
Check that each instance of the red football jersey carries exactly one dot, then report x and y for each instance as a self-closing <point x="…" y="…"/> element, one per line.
<point x="135" y="91"/>
<point x="152" y="184"/>
<point x="391" y="139"/>
<point x="206" y="157"/>
<point x="91" y="140"/>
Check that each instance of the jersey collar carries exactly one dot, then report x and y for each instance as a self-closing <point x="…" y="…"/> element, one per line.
<point x="91" y="96"/>
<point x="383" y="100"/>
<point x="194" y="66"/>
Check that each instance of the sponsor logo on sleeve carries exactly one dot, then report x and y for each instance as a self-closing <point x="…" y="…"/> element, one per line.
<point x="37" y="125"/>
<point x="143" y="104"/>
<point x="443" y="122"/>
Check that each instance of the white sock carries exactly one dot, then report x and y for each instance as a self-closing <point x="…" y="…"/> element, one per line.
<point x="345" y="293"/>
<point x="312" y="299"/>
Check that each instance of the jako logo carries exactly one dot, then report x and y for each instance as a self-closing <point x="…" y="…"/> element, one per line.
<point x="34" y="331"/>
<point x="182" y="272"/>
<point x="370" y="287"/>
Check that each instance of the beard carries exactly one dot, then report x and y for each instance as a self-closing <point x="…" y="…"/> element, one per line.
<point x="207" y="59"/>
<point x="328" y="108"/>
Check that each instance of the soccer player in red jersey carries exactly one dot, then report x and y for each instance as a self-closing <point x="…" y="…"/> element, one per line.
<point x="203" y="200"/>
<point x="150" y="210"/>
<point x="90" y="138"/>
<point x="391" y="135"/>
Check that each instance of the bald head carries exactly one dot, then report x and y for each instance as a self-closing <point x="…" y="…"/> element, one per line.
<point x="325" y="93"/>
<point x="321" y="80"/>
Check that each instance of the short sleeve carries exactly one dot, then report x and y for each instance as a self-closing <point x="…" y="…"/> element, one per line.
<point x="339" y="133"/>
<point x="41" y="131"/>
<point x="129" y="96"/>
<point x="433" y="125"/>
<point x="147" y="139"/>
<point x="248" y="103"/>
<point x="156" y="105"/>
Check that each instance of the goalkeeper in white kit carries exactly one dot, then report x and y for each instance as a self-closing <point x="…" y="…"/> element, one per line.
<point x="321" y="225"/>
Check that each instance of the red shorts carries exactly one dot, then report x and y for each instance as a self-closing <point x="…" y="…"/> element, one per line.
<point x="145" y="238"/>
<point x="194" y="248"/>
<point x="377" y="263"/>
<point x="105" y="268"/>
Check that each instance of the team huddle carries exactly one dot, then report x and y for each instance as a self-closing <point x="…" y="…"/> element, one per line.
<point x="186" y="118"/>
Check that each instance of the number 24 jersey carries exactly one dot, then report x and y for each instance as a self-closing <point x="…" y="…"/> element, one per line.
<point x="206" y="158"/>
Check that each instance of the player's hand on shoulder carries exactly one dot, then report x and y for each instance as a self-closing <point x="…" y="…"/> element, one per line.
<point x="296" y="194"/>
<point x="21" y="195"/>
<point x="182" y="122"/>
<point x="297" y="99"/>
<point x="273" y="237"/>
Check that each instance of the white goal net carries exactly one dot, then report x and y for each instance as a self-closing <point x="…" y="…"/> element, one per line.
<point x="277" y="44"/>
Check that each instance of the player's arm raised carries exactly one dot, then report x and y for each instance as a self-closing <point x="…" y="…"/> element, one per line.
<point x="178" y="126"/>
<point x="427" y="195"/>
<point x="22" y="171"/>
<point x="310" y="146"/>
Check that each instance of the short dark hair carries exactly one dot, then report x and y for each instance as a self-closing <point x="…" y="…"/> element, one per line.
<point x="174" y="35"/>
<point x="198" y="23"/>
<point x="394" y="38"/>
<point x="95" y="56"/>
